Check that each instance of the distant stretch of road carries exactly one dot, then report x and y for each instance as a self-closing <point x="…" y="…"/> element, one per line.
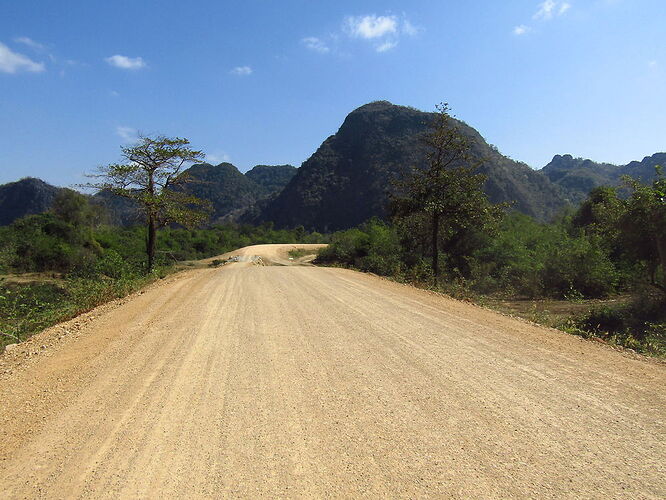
<point x="299" y="381"/>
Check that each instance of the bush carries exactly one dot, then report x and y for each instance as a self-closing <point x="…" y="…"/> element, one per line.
<point x="603" y="320"/>
<point x="112" y="265"/>
<point x="372" y="247"/>
<point x="580" y="265"/>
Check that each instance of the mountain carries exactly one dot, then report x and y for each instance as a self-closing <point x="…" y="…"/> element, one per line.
<point x="271" y="178"/>
<point x="578" y="176"/>
<point x="24" y="197"/>
<point x="644" y="169"/>
<point x="118" y="211"/>
<point x="231" y="192"/>
<point x="347" y="180"/>
<point x="223" y="185"/>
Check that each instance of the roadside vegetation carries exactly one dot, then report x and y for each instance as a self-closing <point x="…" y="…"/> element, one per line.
<point x="298" y="253"/>
<point x="56" y="265"/>
<point x="606" y="258"/>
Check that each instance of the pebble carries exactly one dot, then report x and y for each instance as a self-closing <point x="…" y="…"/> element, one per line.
<point x="10" y="347"/>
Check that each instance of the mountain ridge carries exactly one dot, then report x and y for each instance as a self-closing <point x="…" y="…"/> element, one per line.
<point x="348" y="178"/>
<point x="346" y="181"/>
<point x="578" y="176"/>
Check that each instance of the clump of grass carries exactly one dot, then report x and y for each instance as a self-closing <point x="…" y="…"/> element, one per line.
<point x="297" y="253"/>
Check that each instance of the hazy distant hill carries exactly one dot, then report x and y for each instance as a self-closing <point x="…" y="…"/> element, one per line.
<point x="347" y="179"/>
<point x="578" y="176"/>
<point x="271" y="178"/>
<point x="119" y="211"/>
<point x="230" y="191"/>
<point x="24" y="197"/>
<point x="223" y="185"/>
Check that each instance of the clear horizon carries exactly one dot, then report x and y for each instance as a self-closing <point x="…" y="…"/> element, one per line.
<point x="267" y="84"/>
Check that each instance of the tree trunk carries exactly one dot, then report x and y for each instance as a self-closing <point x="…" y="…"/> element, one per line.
<point x="435" y="247"/>
<point x="661" y="248"/>
<point x="151" y="243"/>
<point x="152" y="223"/>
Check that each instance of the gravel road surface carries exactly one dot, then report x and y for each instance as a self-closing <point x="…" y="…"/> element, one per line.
<point x="297" y="381"/>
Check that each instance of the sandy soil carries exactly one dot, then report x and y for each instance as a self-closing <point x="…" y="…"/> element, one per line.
<point x="254" y="380"/>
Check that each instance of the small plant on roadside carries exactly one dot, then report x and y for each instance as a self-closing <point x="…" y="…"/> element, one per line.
<point x="297" y="253"/>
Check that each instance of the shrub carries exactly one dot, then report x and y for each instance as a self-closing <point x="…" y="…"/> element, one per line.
<point x="373" y="247"/>
<point x="112" y="265"/>
<point x="603" y="320"/>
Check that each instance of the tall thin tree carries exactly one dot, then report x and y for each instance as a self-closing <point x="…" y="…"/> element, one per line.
<point x="446" y="197"/>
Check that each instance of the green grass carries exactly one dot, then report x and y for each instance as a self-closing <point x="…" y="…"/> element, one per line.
<point x="28" y="308"/>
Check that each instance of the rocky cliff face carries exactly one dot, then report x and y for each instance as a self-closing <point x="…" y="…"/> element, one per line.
<point x="578" y="176"/>
<point x="24" y="197"/>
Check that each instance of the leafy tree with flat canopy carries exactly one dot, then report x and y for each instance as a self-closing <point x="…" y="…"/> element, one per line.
<point x="446" y="198"/>
<point x="150" y="175"/>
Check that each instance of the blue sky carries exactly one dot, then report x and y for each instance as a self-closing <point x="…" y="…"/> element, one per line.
<point x="265" y="82"/>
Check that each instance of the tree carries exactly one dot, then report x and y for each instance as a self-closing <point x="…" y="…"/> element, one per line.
<point x="73" y="208"/>
<point x="600" y="212"/>
<point x="643" y="225"/>
<point x="151" y="175"/>
<point x="445" y="198"/>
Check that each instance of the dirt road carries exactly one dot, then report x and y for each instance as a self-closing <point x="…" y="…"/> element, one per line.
<point x="249" y="380"/>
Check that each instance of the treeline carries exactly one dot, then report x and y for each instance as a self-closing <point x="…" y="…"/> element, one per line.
<point x="78" y="263"/>
<point x="69" y="240"/>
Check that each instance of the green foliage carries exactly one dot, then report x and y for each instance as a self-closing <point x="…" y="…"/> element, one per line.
<point x="602" y="321"/>
<point x="297" y="253"/>
<point x="639" y="325"/>
<point x="45" y="242"/>
<point x="373" y="247"/>
<point x="580" y="266"/>
<point x="25" y="309"/>
<point x="643" y="226"/>
<point x="150" y="176"/>
<point x="113" y="266"/>
<point x="28" y="308"/>
<point x="73" y="208"/>
<point x="444" y="204"/>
